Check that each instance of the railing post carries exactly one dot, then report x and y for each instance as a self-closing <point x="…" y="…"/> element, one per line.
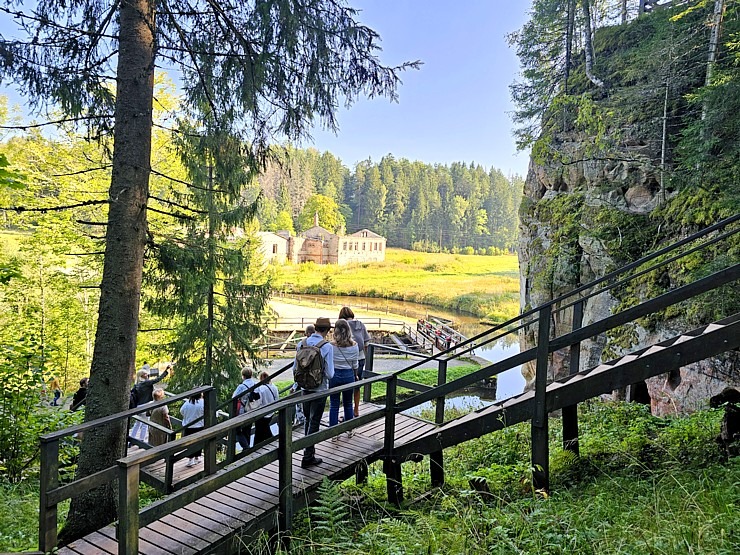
<point x="391" y="464"/>
<point x="540" y="447"/>
<point x="570" y="414"/>
<point x="49" y="480"/>
<point x="441" y="380"/>
<point x="285" y="474"/>
<point x="231" y="438"/>
<point x="436" y="458"/>
<point x="128" y="509"/>
<point x="367" y="391"/>
<point x="209" y="413"/>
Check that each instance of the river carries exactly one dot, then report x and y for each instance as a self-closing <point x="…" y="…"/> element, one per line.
<point x="510" y="382"/>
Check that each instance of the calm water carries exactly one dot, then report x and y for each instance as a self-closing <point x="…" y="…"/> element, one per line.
<point x="510" y="382"/>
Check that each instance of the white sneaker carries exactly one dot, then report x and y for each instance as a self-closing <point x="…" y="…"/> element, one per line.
<point x="197" y="460"/>
<point x="191" y="463"/>
<point x="335" y="439"/>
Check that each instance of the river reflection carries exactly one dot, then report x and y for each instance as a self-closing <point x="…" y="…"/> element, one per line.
<point x="510" y="382"/>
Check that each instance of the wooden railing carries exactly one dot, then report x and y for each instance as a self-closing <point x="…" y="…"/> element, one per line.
<point x="51" y="493"/>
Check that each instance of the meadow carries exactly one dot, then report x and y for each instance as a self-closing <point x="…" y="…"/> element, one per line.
<point x="487" y="286"/>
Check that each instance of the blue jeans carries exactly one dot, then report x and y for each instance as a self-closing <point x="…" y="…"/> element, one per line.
<point x="342" y="376"/>
<point x="312" y="411"/>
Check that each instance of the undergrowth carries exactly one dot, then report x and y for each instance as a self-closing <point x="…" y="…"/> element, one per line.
<point x="641" y="485"/>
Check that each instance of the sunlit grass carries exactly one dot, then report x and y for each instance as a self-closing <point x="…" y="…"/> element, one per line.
<point x="487" y="286"/>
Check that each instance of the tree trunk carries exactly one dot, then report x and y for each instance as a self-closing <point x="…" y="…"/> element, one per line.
<point x="588" y="45"/>
<point x="118" y="316"/>
<point x="719" y="8"/>
<point x="570" y="26"/>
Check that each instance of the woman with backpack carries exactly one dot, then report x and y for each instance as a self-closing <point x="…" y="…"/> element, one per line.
<point x="346" y="355"/>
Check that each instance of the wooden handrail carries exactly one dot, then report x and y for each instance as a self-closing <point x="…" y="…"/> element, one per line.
<point x="51" y="494"/>
<point x="85" y="426"/>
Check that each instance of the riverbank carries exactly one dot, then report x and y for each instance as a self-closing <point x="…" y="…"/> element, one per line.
<point x="486" y="286"/>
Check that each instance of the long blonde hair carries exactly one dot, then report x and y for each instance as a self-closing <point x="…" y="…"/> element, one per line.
<point x="342" y="334"/>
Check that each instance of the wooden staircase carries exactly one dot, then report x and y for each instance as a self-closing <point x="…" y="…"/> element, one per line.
<point x="629" y="369"/>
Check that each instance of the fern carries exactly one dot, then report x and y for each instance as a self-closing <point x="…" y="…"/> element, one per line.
<point x="329" y="520"/>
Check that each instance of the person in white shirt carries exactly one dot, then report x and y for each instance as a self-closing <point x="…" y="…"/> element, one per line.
<point x="192" y="412"/>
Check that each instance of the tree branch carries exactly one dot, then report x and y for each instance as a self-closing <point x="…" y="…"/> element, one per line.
<point x="171" y="214"/>
<point x="173" y="203"/>
<point x="54" y="208"/>
<point x="55" y="122"/>
<point x="85" y="222"/>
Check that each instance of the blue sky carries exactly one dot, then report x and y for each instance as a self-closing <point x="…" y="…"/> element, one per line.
<point x="457" y="106"/>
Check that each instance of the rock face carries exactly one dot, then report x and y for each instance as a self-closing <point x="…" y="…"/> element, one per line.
<point x="582" y="219"/>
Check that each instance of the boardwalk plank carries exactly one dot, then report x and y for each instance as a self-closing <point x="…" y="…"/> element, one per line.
<point x="83" y="547"/>
<point x="162" y="542"/>
<point x="255" y="497"/>
<point x="219" y="513"/>
<point x="183" y="532"/>
<point x="248" y="498"/>
<point x="200" y="528"/>
<point x="197" y="515"/>
<point x="229" y="499"/>
<point x="103" y="542"/>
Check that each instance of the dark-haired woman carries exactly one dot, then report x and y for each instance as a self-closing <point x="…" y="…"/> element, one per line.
<point x="192" y="412"/>
<point x="362" y="338"/>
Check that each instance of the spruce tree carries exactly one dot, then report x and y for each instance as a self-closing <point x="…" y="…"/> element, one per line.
<point x="266" y="69"/>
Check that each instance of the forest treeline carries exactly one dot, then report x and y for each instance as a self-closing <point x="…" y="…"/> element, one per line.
<point x="416" y="205"/>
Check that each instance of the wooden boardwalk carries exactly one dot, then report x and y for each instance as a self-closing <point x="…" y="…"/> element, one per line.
<point x="250" y="503"/>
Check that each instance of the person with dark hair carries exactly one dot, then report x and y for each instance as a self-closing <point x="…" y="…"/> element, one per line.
<point x="144" y="389"/>
<point x="243" y="434"/>
<point x="192" y="412"/>
<point x="345" y="372"/>
<point x="362" y="338"/>
<point x="268" y="393"/>
<point x="314" y="410"/>
<point x="78" y="399"/>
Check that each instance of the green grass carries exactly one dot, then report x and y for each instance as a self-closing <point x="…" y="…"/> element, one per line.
<point x="642" y="485"/>
<point x="487" y="286"/>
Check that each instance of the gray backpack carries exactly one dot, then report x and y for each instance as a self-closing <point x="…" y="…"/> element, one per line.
<point x="309" y="365"/>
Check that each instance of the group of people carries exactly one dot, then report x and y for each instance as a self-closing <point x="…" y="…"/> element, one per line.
<point x="343" y="363"/>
